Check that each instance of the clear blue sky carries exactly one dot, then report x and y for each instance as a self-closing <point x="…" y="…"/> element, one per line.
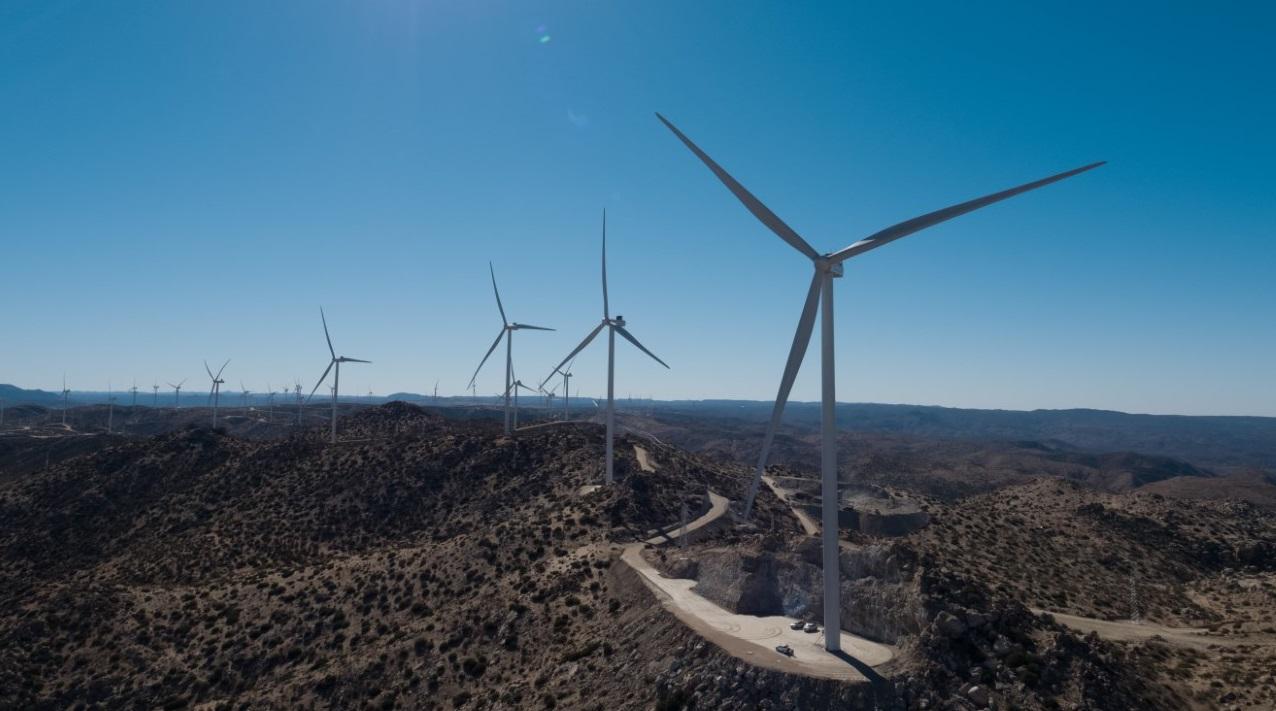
<point x="183" y="180"/>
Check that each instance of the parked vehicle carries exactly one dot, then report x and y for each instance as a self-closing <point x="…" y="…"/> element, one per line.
<point x="784" y="649"/>
<point x="811" y="627"/>
<point x="797" y="625"/>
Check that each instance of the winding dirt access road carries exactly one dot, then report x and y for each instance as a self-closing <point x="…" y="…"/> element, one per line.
<point x="1131" y="631"/>
<point x="781" y="493"/>
<point x="747" y="637"/>
<point x="644" y="459"/>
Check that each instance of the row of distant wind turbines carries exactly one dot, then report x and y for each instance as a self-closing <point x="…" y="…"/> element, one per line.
<point x="819" y="298"/>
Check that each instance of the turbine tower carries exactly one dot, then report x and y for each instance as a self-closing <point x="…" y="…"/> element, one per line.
<point x="65" y="393"/>
<point x="614" y="326"/>
<point x="820" y="297"/>
<point x="507" y="332"/>
<point x="567" y="394"/>
<point x="515" y="387"/>
<point x="214" y="393"/>
<point x="134" y="391"/>
<point x="336" y="378"/>
<point x="110" y="408"/>
<point x="155" y="396"/>
<point x="177" y="393"/>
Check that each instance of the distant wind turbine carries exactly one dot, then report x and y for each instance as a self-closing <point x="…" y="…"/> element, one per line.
<point x="614" y="326"/>
<point x="820" y="296"/>
<point x="65" y="393"/>
<point x="515" y="387"/>
<point x="507" y="332"/>
<point x="176" y="393"/>
<point x="215" y="392"/>
<point x="110" y="408"/>
<point x="134" y="391"/>
<point x="336" y="378"/>
<point x="155" y="396"/>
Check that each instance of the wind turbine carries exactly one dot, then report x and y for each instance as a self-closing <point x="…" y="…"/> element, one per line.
<point x="65" y="393"/>
<point x="436" y="393"/>
<point x="567" y="394"/>
<point x="270" y="402"/>
<point x="214" y="393"/>
<point x="336" y="378"/>
<point x="615" y="325"/>
<point x="549" y="398"/>
<point x="110" y="408"/>
<point x="176" y="393"/>
<point x="296" y="388"/>
<point x="820" y="296"/>
<point x="155" y="396"/>
<point x="507" y="332"/>
<point x="134" y="391"/>
<point x="243" y="396"/>
<point x="515" y="387"/>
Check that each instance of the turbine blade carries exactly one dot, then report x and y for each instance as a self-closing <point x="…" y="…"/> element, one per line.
<point x="495" y="343"/>
<point x="325" y="332"/>
<point x="219" y="371"/>
<point x="534" y="328"/>
<point x="760" y="211"/>
<point x="498" y="294"/>
<point x="210" y="372"/>
<point x="590" y="337"/>
<point x="606" y="307"/>
<point x="801" y="339"/>
<point x="321" y="379"/>
<point x="908" y="227"/>
<point x="355" y="360"/>
<point x="630" y="337"/>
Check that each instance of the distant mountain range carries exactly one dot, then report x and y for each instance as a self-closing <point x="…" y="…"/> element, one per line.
<point x="1225" y="443"/>
<point x="12" y="395"/>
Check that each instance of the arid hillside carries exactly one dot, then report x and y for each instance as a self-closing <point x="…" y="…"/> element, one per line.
<point x="432" y="563"/>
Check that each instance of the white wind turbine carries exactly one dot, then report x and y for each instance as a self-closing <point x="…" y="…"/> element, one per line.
<point x="177" y="394"/>
<point x="155" y="396"/>
<point x="614" y="326"/>
<point x="820" y="296"/>
<point x="567" y="393"/>
<point x="336" y="378"/>
<point x="110" y="407"/>
<point x="65" y="393"/>
<point x="215" y="392"/>
<point x="515" y="387"/>
<point x="243" y="397"/>
<point x="507" y="332"/>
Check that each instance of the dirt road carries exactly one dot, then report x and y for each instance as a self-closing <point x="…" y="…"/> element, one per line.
<point x="748" y="637"/>
<point x="1131" y="631"/>
<point x="781" y="493"/>
<point x="754" y="639"/>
